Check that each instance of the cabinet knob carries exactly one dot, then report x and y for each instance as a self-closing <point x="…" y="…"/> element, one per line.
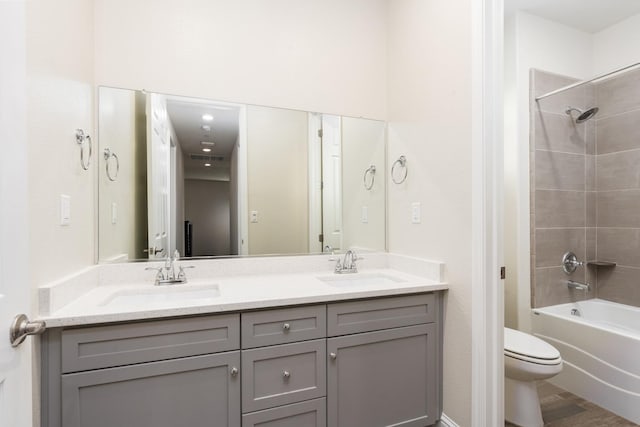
<point x="234" y="371"/>
<point x="286" y="375"/>
<point x="333" y="356"/>
<point x="286" y="327"/>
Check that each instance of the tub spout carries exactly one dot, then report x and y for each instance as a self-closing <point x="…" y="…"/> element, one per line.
<point x="579" y="286"/>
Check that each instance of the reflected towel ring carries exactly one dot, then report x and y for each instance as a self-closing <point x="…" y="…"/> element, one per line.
<point x="108" y="154"/>
<point x="402" y="162"/>
<point x="81" y="138"/>
<point x="370" y="171"/>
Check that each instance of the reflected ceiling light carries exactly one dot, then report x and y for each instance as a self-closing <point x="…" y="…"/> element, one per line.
<point x="207" y="143"/>
<point x="205" y="128"/>
<point x="206" y="150"/>
<point x="207" y="164"/>
<point x="207" y="117"/>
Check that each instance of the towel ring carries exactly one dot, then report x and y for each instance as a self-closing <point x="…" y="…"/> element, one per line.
<point x="402" y="162"/>
<point x="81" y="138"/>
<point x="108" y="154"/>
<point x="371" y="171"/>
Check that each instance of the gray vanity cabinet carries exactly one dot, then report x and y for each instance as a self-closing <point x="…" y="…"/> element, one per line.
<point x="192" y="391"/>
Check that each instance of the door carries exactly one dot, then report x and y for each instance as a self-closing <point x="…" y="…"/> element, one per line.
<point x="383" y="378"/>
<point x="331" y="181"/>
<point x="158" y="171"/>
<point x="15" y="363"/>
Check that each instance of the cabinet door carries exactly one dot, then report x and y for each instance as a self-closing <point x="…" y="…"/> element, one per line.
<point x="385" y="378"/>
<point x="193" y="391"/>
<point x="311" y="413"/>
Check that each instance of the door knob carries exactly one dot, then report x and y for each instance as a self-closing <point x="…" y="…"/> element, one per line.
<point x="21" y="327"/>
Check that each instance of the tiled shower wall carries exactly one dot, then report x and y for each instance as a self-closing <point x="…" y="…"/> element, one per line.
<point x="585" y="189"/>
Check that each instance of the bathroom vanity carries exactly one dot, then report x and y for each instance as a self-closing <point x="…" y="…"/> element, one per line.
<point x="356" y="363"/>
<point x="252" y="347"/>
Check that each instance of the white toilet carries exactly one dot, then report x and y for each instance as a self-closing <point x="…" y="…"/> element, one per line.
<point x="527" y="359"/>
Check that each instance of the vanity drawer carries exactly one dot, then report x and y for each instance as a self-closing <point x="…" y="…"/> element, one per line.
<point x="312" y="413"/>
<point x="271" y="327"/>
<point x="117" y="345"/>
<point x="384" y="313"/>
<point x="279" y="375"/>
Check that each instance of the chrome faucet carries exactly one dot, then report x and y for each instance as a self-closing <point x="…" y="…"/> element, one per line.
<point x="571" y="284"/>
<point x="166" y="275"/>
<point x="348" y="263"/>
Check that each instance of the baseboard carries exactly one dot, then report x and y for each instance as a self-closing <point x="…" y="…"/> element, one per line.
<point x="446" y="421"/>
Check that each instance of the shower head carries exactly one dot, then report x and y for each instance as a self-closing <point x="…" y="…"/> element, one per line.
<point x="583" y="115"/>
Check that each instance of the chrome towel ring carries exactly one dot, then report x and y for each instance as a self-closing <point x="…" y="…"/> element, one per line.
<point x="81" y="138"/>
<point x="108" y="155"/>
<point x="371" y="171"/>
<point x="402" y="162"/>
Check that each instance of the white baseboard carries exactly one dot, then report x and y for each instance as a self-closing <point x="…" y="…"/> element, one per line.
<point x="447" y="422"/>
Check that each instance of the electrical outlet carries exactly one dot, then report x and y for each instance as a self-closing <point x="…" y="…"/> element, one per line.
<point x="254" y="216"/>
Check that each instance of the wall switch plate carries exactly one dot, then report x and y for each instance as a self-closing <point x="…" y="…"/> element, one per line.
<point x="65" y="209"/>
<point x="254" y="216"/>
<point x="114" y="213"/>
<point x="365" y="215"/>
<point x="416" y="213"/>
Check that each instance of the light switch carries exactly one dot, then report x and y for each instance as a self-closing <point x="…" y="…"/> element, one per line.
<point x="365" y="215"/>
<point x="114" y="213"/>
<point x="65" y="209"/>
<point x="254" y="216"/>
<point x="416" y="213"/>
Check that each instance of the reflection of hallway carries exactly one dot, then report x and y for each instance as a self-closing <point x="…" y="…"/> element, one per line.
<point x="207" y="206"/>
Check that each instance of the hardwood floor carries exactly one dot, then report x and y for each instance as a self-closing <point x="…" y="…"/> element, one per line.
<point x="563" y="409"/>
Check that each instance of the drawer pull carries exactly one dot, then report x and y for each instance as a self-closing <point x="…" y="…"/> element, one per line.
<point x="286" y="375"/>
<point x="234" y="371"/>
<point x="333" y="356"/>
<point x="286" y="327"/>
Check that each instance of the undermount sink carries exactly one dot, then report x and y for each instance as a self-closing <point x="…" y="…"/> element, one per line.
<point x="359" y="279"/>
<point x="162" y="295"/>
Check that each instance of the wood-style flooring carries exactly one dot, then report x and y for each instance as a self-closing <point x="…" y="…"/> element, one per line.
<point x="563" y="409"/>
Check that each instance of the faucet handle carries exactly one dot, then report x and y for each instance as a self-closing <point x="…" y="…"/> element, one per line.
<point x="159" y="272"/>
<point x="181" y="273"/>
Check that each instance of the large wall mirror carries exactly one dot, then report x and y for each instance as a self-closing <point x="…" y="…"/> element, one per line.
<point x="211" y="178"/>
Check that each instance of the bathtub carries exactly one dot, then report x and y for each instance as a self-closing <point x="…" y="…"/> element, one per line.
<point x="600" y="344"/>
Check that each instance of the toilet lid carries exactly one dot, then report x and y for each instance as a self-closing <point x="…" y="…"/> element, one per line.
<point x="518" y="343"/>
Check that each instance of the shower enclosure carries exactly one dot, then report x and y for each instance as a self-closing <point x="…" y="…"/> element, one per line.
<point x="585" y="200"/>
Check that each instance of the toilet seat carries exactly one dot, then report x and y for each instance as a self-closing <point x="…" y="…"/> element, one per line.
<point x="528" y="348"/>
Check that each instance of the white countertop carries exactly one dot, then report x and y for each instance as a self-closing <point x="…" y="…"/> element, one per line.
<point x="102" y="304"/>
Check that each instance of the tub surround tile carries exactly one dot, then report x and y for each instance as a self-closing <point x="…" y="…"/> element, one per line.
<point x="619" y="284"/>
<point x="557" y="132"/>
<point x="562" y="209"/>
<point x="619" y="245"/>
<point x="618" y="208"/>
<point x="618" y="171"/>
<point x="546" y="82"/>
<point x="618" y="133"/>
<point x="590" y="137"/>
<point x="552" y="243"/>
<point x="591" y="208"/>
<point x="590" y="173"/>
<point x="559" y="171"/>
<point x="591" y="236"/>
<point x="619" y="94"/>
<point x="552" y="289"/>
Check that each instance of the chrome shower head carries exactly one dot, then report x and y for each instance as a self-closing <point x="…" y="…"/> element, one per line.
<point x="583" y="116"/>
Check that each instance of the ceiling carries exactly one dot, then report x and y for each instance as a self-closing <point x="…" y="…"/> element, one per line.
<point x="590" y="16"/>
<point x="186" y="118"/>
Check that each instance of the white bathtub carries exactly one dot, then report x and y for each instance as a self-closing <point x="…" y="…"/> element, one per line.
<point x="601" y="352"/>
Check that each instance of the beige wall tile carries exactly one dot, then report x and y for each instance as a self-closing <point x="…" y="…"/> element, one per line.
<point x="620" y="245"/>
<point x="552" y="289"/>
<point x="557" y="132"/>
<point x="553" y="243"/>
<point x="591" y="249"/>
<point x="555" y="208"/>
<point x="618" y="171"/>
<point x="559" y="171"/>
<point x="619" y="284"/>
<point x="590" y="173"/>
<point x="618" y="133"/>
<point x="618" y="208"/>
<point x="546" y="82"/>
<point x="591" y="208"/>
<point x="590" y="136"/>
<point x="619" y="94"/>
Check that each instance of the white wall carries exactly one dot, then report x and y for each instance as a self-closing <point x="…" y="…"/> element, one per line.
<point x="429" y="122"/>
<point x="327" y="56"/>
<point x="531" y="42"/>
<point x="60" y="99"/>
<point x="617" y="46"/>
